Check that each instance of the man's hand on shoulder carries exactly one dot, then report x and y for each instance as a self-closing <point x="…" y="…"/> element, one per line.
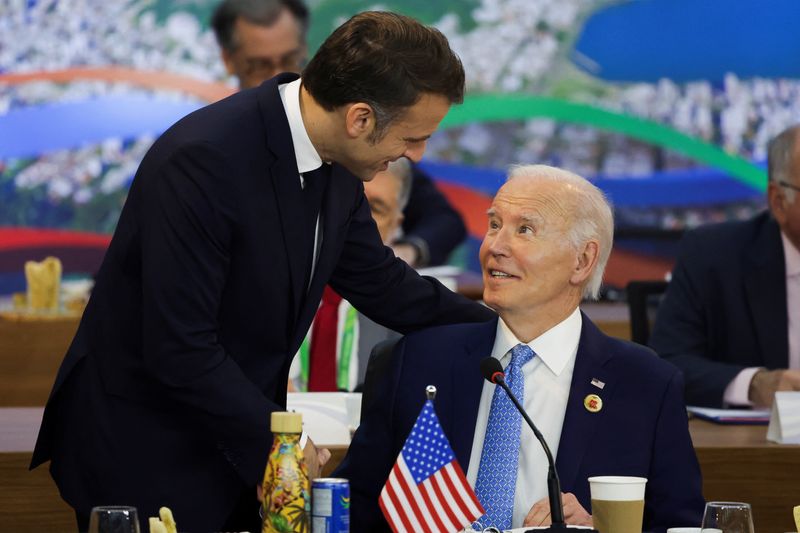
<point x="574" y="513"/>
<point x="766" y="383"/>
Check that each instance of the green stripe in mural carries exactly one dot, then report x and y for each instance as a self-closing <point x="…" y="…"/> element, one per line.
<point x="503" y="107"/>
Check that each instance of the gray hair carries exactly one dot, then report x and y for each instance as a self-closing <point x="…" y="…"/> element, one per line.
<point x="780" y="158"/>
<point x="401" y="169"/>
<point x="261" y="12"/>
<point x="593" y="217"/>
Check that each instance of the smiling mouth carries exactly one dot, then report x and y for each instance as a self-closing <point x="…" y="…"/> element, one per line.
<point x="499" y="274"/>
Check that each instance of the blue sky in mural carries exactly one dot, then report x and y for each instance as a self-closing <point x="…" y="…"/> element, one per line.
<point x="687" y="40"/>
<point x="31" y="131"/>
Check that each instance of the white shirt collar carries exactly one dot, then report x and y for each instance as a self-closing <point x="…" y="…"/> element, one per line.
<point x="307" y="157"/>
<point x="554" y="347"/>
<point x="792" y="256"/>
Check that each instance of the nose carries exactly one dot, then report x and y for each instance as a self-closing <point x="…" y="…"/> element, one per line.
<point x="415" y="151"/>
<point x="496" y="243"/>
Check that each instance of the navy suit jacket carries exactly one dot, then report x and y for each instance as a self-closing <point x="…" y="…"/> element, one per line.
<point x="165" y="394"/>
<point x="429" y="217"/>
<point x="642" y="429"/>
<point x="725" y="307"/>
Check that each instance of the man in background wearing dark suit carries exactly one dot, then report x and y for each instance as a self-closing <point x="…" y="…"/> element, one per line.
<point x="261" y="38"/>
<point x="605" y="406"/>
<point x="730" y="318"/>
<point x="236" y="219"/>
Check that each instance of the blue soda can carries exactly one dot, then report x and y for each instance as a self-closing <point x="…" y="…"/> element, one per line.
<point x="330" y="505"/>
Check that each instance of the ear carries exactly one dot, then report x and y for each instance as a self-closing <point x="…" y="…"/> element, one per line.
<point x="776" y="197"/>
<point x="227" y="58"/>
<point x="585" y="263"/>
<point x="359" y="120"/>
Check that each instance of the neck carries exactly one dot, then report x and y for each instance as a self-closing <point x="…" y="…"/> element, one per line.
<point x="533" y="324"/>
<point x="318" y="124"/>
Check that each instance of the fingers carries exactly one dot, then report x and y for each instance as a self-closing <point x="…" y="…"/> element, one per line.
<point x="574" y="513"/>
<point x="323" y="456"/>
<point x="539" y="515"/>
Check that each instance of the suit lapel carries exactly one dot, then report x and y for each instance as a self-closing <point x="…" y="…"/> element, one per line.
<point x="467" y="377"/>
<point x="286" y="182"/>
<point x="765" y="289"/>
<point x="579" y="423"/>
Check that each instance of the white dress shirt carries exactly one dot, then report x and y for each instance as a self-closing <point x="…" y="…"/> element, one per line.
<point x="547" y="382"/>
<point x="308" y="158"/>
<point x="792" y="256"/>
<point x="738" y="390"/>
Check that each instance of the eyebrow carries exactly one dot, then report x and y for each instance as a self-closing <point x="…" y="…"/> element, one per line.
<point x="416" y="139"/>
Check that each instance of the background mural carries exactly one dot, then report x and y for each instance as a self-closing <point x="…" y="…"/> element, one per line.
<point x="666" y="104"/>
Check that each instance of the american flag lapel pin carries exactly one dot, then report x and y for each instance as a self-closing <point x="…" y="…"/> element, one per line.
<point x="599" y="384"/>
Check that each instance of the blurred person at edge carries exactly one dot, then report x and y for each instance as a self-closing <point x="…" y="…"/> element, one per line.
<point x="730" y="318"/>
<point x="237" y="218"/>
<point x="262" y="38"/>
<point x="342" y="337"/>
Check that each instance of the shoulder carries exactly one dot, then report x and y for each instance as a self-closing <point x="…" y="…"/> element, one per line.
<point x="728" y="235"/>
<point x="465" y="333"/>
<point x="636" y="363"/>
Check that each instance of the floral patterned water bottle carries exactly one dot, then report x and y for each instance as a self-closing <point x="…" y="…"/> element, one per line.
<point x="287" y="500"/>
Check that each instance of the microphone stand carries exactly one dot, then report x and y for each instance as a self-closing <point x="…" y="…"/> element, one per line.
<point x="553" y="483"/>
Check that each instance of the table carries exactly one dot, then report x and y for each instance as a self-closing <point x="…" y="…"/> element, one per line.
<point x="30" y="354"/>
<point x="738" y="464"/>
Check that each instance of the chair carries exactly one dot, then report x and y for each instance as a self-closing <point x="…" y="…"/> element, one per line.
<point x="378" y="364"/>
<point x="643" y="296"/>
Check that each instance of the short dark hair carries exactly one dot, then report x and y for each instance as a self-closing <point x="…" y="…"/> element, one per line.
<point x="385" y="60"/>
<point x="262" y="12"/>
<point x="779" y="154"/>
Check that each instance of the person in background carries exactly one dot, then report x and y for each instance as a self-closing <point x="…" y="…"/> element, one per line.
<point x="335" y="352"/>
<point x="730" y="318"/>
<point x="605" y="406"/>
<point x="261" y="38"/>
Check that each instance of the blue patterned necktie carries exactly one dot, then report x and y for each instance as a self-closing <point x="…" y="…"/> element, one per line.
<point x="497" y="474"/>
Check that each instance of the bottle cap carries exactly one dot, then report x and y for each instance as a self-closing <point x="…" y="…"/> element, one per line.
<point x="281" y="422"/>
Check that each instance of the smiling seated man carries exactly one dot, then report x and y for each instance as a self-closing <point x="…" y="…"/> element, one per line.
<point x="548" y="240"/>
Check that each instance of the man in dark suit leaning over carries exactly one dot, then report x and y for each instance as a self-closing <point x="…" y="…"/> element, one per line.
<point x="237" y="218"/>
<point x="730" y="319"/>
<point x="605" y="406"/>
<point x="261" y="38"/>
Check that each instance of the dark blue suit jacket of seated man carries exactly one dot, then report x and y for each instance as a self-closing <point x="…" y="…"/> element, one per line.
<point x="641" y="430"/>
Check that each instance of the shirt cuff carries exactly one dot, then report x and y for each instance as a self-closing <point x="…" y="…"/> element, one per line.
<point x="737" y="391"/>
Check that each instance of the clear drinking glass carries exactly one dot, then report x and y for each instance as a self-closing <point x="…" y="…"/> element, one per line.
<point x="114" y="519"/>
<point x="727" y="517"/>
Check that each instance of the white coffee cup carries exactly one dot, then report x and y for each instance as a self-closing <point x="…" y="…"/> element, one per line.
<point x="684" y="530"/>
<point x="617" y="503"/>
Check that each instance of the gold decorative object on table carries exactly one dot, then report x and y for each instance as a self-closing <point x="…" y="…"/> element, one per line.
<point x="47" y="296"/>
<point x="797" y="518"/>
<point x="164" y="523"/>
<point x="44" y="284"/>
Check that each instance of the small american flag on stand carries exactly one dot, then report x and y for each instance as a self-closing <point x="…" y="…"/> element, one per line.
<point x="426" y="489"/>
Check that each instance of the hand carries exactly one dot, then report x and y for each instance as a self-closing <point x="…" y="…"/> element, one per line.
<point x="315" y="458"/>
<point x="766" y="383"/>
<point x="407" y="253"/>
<point x="574" y="513"/>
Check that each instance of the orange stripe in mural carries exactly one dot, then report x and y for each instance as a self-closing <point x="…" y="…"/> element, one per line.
<point x="206" y="91"/>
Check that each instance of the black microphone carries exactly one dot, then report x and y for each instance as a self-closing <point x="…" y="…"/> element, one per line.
<point x="492" y="371"/>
